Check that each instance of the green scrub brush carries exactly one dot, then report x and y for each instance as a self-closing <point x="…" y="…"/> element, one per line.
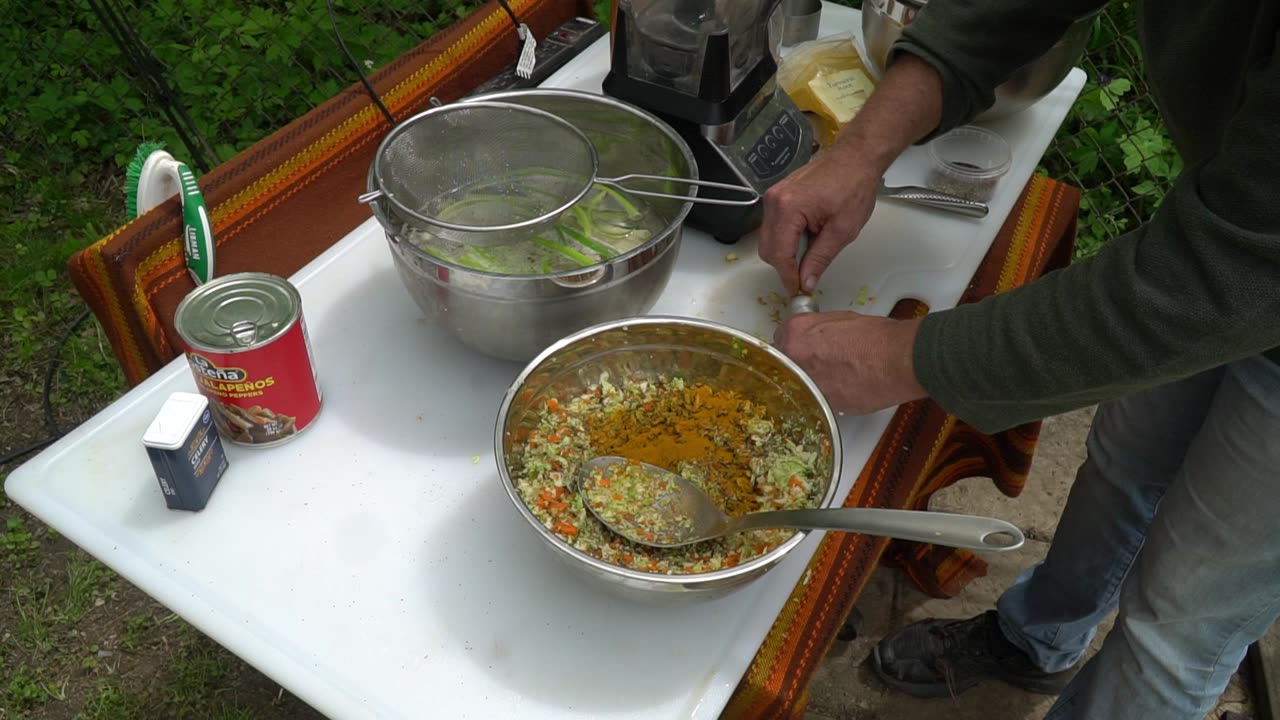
<point x="154" y="176"/>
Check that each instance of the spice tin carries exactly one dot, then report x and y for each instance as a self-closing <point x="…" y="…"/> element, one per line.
<point x="185" y="451"/>
<point x="247" y="344"/>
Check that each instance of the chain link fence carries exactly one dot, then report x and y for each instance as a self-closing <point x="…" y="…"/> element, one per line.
<point x="1113" y="145"/>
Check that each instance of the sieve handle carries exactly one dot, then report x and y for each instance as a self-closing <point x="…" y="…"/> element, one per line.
<point x="369" y="197"/>
<point x="753" y="196"/>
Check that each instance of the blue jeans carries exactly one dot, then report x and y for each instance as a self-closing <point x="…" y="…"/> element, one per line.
<point x="1172" y="519"/>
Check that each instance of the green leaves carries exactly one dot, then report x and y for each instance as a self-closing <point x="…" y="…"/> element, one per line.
<point x="241" y="71"/>
<point x="1110" y="94"/>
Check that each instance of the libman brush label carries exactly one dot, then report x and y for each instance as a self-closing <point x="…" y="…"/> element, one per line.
<point x="197" y="232"/>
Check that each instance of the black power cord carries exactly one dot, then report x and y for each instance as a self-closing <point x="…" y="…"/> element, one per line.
<point x="155" y="86"/>
<point x="47" y="399"/>
<point x="373" y="94"/>
<point x="333" y="20"/>
<point x="510" y="13"/>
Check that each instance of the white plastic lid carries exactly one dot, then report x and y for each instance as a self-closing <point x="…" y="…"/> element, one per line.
<point x="174" y="422"/>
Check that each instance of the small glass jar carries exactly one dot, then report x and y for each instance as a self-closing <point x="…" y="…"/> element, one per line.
<point x="968" y="162"/>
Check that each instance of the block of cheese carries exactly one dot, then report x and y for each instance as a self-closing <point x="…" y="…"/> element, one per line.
<point x="827" y="79"/>
<point x="842" y="93"/>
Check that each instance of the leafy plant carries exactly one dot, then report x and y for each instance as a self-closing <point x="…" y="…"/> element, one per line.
<point x="23" y="690"/>
<point x="17" y="541"/>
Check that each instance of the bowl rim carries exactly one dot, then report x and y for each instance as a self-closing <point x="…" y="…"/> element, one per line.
<point x="716" y="577"/>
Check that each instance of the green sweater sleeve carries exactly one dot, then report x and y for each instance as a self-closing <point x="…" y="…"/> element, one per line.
<point x="978" y="44"/>
<point x="1196" y="287"/>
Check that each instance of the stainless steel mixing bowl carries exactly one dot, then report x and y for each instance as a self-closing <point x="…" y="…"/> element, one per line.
<point x="884" y="20"/>
<point x="645" y="347"/>
<point x="515" y="316"/>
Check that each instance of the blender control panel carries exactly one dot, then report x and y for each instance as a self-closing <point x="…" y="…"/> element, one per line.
<point x="778" y="141"/>
<point x="775" y="148"/>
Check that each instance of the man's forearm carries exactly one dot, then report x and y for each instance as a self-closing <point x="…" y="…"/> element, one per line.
<point x="905" y="107"/>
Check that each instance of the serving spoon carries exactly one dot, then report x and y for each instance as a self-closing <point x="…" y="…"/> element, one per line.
<point x="652" y="506"/>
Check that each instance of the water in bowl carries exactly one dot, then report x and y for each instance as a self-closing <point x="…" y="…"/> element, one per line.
<point x="606" y="223"/>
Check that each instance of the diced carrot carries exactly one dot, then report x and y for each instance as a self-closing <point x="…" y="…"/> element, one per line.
<point x="567" y="528"/>
<point x="553" y="405"/>
<point x="559" y="491"/>
<point x="627" y="558"/>
<point x="794" y="481"/>
<point x="603" y="482"/>
<point x="731" y="560"/>
<point x="648" y="407"/>
<point x="558" y="506"/>
<point x="553" y="438"/>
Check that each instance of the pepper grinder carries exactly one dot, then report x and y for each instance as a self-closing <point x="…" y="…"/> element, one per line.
<point x="802" y="302"/>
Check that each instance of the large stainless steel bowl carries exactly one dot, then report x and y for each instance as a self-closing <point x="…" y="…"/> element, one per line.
<point x="645" y="347"/>
<point x="515" y="316"/>
<point x="884" y="20"/>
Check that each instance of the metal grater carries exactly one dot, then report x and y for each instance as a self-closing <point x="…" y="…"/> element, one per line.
<point x="524" y="68"/>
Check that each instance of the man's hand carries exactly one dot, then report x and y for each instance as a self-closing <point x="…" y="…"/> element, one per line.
<point x="861" y="363"/>
<point x="829" y="198"/>
<point x="833" y="195"/>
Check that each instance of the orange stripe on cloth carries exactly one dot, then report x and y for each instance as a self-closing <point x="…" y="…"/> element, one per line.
<point x="96" y="286"/>
<point x="923" y="450"/>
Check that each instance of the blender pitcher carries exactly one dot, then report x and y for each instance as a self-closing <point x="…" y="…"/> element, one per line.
<point x="669" y="45"/>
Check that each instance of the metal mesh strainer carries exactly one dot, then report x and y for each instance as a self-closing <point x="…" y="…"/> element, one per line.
<point x="488" y="173"/>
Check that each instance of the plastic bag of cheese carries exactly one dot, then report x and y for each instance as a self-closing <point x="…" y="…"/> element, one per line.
<point x="827" y="77"/>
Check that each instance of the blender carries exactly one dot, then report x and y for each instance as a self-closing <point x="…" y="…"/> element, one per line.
<point x="707" y="68"/>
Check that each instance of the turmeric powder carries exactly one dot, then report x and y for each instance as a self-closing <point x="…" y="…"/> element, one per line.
<point x="695" y="427"/>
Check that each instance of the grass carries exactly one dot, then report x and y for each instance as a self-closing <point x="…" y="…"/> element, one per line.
<point x="76" y="641"/>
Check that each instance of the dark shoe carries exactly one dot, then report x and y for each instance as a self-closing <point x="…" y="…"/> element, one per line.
<point x="941" y="658"/>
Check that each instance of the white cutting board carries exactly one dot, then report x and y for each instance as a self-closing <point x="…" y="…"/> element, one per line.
<point x="374" y="566"/>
